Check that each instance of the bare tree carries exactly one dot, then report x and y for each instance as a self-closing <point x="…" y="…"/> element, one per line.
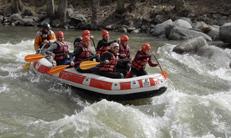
<point x="16" y="6"/>
<point x="179" y="5"/>
<point x="120" y="5"/>
<point x="51" y="8"/>
<point x="94" y="7"/>
<point x="62" y="8"/>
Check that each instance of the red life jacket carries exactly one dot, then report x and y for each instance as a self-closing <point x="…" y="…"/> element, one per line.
<point x="140" y="63"/>
<point x="86" y="54"/>
<point x="124" y="50"/>
<point x="102" y="50"/>
<point x="109" y="67"/>
<point x="61" y="51"/>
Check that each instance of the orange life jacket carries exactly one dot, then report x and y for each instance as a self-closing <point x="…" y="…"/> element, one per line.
<point x="40" y="37"/>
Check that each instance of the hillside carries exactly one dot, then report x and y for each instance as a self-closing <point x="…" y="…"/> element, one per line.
<point x="141" y="14"/>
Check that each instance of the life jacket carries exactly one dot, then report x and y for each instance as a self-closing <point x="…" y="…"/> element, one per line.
<point x="124" y="50"/>
<point x="103" y="48"/>
<point x="40" y="37"/>
<point x="61" y="51"/>
<point x="77" y="42"/>
<point x="140" y="63"/>
<point x="109" y="67"/>
<point x="86" y="54"/>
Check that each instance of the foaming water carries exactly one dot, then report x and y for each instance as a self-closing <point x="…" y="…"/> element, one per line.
<point x="196" y="103"/>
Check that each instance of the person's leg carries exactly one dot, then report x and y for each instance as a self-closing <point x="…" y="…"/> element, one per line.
<point x="142" y="72"/>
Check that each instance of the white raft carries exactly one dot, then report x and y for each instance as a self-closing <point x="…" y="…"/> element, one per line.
<point x="104" y="87"/>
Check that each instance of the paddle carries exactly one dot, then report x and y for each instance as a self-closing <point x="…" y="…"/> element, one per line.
<point x="57" y="69"/>
<point x="164" y="73"/>
<point x="33" y="57"/>
<point x="85" y="65"/>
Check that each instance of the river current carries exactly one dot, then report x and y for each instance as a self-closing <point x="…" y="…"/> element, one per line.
<point x="197" y="102"/>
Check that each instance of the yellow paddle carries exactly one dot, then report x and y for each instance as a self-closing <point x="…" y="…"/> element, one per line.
<point x="85" y="65"/>
<point x="33" y="57"/>
<point x="57" y="69"/>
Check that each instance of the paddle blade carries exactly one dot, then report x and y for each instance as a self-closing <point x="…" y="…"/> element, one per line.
<point x="164" y="74"/>
<point x="88" y="65"/>
<point x="33" y="57"/>
<point x="57" y="69"/>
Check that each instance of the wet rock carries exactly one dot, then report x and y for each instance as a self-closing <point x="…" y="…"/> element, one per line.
<point x="136" y="31"/>
<point x="77" y="20"/>
<point x="56" y="23"/>
<point x="130" y="29"/>
<point x="225" y="33"/>
<point x="200" y="26"/>
<point x="182" y="23"/>
<point x="214" y="32"/>
<point x="16" y="19"/>
<point x="190" y="46"/>
<point x="159" y="29"/>
<point x="46" y="20"/>
<point x="1" y="18"/>
<point x="122" y="29"/>
<point x="179" y="33"/>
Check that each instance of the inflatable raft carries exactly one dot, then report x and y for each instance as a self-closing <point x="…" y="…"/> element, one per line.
<point x="103" y="87"/>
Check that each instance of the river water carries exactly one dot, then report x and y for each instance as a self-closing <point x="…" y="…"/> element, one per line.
<point x="197" y="102"/>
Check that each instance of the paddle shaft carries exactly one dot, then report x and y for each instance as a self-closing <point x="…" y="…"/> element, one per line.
<point x="157" y="62"/>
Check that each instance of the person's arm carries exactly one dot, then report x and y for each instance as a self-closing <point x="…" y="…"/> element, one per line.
<point x="151" y="63"/>
<point x="50" y="49"/>
<point x="106" y="57"/>
<point x="51" y="37"/>
<point x="37" y="42"/>
<point x="78" y="51"/>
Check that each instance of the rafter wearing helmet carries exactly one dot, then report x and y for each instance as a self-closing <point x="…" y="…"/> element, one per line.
<point x="44" y="37"/>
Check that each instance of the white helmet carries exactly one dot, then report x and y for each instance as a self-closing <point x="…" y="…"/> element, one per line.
<point x="115" y="44"/>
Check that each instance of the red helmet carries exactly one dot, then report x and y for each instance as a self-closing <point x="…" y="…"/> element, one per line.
<point x="104" y="33"/>
<point x="86" y="32"/>
<point x="86" y="38"/>
<point x="59" y="34"/>
<point x="146" y="47"/>
<point x="124" y="38"/>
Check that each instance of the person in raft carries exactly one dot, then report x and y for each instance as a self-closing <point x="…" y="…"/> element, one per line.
<point x="44" y="37"/>
<point x="104" y="44"/>
<point x="83" y="53"/>
<point x="124" y="62"/>
<point x="142" y="57"/>
<point x="78" y="40"/>
<point x="109" y="59"/>
<point x="59" y="49"/>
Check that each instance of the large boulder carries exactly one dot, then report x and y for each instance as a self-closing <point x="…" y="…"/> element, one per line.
<point x="160" y="29"/>
<point x="213" y="32"/>
<point x="200" y="26"/>
<point x="190" y="46"/>
<point x="179" y="33"/>
<point x="77" y="20"/>
<point x="225" y="33"/>
<point x="183" y="23"/>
